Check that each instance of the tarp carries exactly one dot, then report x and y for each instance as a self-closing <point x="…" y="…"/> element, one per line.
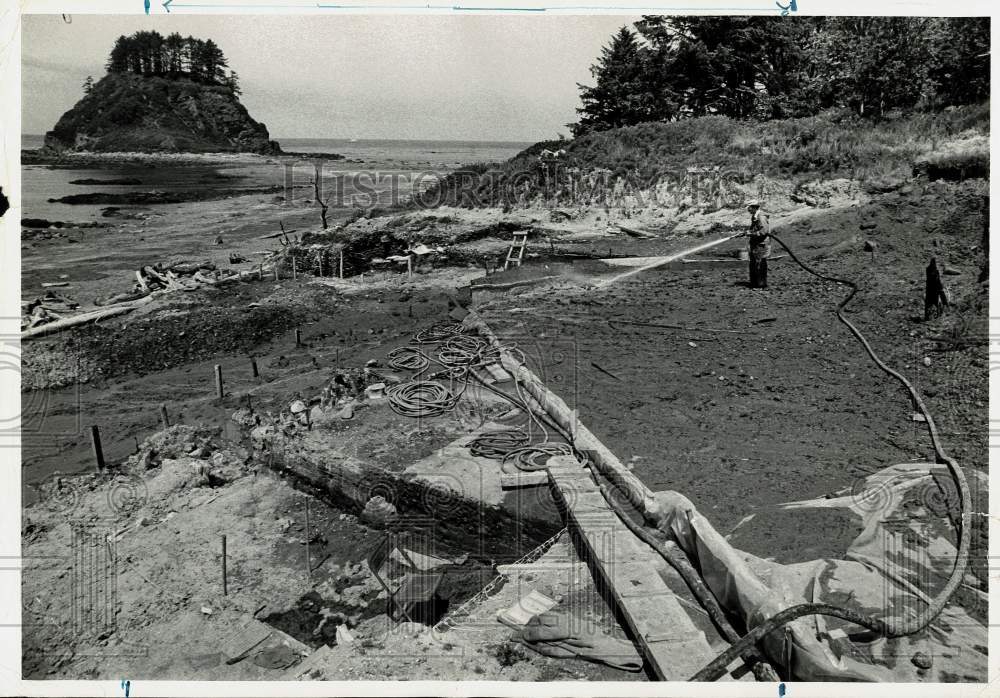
<point x="902" y="556"/>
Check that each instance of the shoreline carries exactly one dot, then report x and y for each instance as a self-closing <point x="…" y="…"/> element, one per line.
<point x="84" y="159"/>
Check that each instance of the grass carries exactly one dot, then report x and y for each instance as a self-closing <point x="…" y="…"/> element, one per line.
<point x="946" y="144"/>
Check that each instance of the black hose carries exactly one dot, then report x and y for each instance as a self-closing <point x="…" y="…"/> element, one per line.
<point x="899" y="628"/>
<point x="717" y="667"/>
<point x="885" y="628"/>
<point x="677" y="558"/>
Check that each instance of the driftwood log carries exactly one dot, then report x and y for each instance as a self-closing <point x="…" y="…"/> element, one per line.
<point x="83" y="318"/>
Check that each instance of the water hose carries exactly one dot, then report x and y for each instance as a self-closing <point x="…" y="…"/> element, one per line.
<point x="408" y="359"/>
<point x="891" y="627"/>
<point x="421" y="398"/>
<point x="497" y="444"/>
<point x="899" y="628"/>
<point x="677" y="558"/>
<point x="715" y="669"/>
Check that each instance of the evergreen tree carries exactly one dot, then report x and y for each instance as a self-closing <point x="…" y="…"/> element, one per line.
<point x="149" y="53"/>
<point x="88" y="85"/>
<point x="233" y="83"/>
<point x="118" y="60"/>
<point x="621" y="95"/>
<point x="775" y="67"/>
<point x="173" y="49"/>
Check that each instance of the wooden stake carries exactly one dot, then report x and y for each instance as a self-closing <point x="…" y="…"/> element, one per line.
<point x="218" y="381"/>
<point x="253" y="367"/>
<point x="276" y="277"/>
<point x="298" y="337"/>
<point x="319" y="260"/>
<point x="95" y="441"/>
<point x="225" y="576"/>
<point x="409" y="267"/>
<point x="295" y="274"/>
<point x="163" y="416"/>
<point x="341" y="264"/>
<point x="260" y="272"/>
<point x="308" y="553"/>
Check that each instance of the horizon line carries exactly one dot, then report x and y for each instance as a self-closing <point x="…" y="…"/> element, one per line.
<point x="528" y="141"/>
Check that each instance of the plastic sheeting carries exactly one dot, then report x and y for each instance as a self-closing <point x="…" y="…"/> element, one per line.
<point x="902" y="556"/>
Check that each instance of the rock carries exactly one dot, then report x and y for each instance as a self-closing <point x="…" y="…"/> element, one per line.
<point x="316" y="414"/>
<point x="344" y="636"/>
<point x="206" y="610"/>
<point x="262" y="434"/>
<point x="867" y="226"/>
<point x="347" y="412"/>
<point x="921" y="660"/>
<point x="927" y="361"/>
<point x="157" y="113"/>
<point x="378" y="510"/>
<point x="870" y="246"/>
<point x="297" y="406"/>
<point x="375" y="390"/>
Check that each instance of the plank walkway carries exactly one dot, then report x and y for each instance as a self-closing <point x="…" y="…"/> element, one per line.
<point x="625" y="569"/>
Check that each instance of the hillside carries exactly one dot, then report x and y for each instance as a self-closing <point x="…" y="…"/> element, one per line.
<point x="952" y="144"/>
<point x="126" y="112"/>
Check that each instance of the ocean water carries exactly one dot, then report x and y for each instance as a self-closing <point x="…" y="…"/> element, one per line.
<point x="383" y="157"/>
<point x="435" y="153"/>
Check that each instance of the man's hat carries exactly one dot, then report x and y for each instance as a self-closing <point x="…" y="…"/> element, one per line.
<point x="753" y="202"/>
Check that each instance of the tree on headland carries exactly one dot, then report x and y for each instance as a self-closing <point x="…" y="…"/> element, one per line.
<point x="88" y="84"/>
<point x="149" y="53"/>
<point x="232" y="81"/>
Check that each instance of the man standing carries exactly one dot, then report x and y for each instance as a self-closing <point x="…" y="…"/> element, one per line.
<point x="760" y="245"/>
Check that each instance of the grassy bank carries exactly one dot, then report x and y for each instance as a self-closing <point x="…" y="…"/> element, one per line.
<point x="951" y="144"/>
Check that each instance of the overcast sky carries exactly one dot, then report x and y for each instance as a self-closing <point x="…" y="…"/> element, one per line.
<point x="490" y="77"/>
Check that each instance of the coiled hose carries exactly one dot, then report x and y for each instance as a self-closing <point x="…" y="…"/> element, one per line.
<point x="892" y="627"/>
<point x="408" y="359"/>
<point x="421" y="398"/>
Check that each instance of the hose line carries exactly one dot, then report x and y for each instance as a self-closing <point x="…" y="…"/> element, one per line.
<point x="678" y="559"/>
<point x="896" y="627"/>
<point x="892" y="627"/>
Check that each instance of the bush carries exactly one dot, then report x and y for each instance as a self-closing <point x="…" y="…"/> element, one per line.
<point x="833" y="144"/>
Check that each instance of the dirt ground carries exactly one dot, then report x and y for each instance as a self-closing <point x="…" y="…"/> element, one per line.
<point x="758" y="397"/>
<point x="764" y="397"/>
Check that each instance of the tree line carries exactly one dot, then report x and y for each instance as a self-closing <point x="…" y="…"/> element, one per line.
<point x="671" y="68"/>
<point x="174" y="56"/>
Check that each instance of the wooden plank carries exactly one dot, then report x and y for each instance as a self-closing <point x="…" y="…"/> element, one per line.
<point x="671" y="644"/>
<point x="513" y="481"/>
<point x="243" y="641"/>
<point x="673" y="647"/>
<point x="315" y="662"/>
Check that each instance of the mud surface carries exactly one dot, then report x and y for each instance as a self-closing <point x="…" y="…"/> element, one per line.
<point x="757" y="397"/>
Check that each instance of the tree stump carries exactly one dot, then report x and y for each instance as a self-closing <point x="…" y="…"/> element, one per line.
<point x="935" y="295"/>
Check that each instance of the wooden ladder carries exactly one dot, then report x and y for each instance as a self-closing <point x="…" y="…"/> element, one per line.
<point x="519" y="240"/>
